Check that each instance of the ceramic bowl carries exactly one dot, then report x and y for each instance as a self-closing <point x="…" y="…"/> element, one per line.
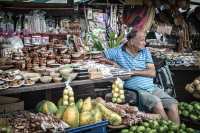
<point x="45" y="79"/>
<point x="57" y="79"/>
<point x="35" y="79"/>
<point x="53" y="74"/>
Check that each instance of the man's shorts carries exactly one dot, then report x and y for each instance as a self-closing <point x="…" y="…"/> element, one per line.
<point x="149" y="100"/>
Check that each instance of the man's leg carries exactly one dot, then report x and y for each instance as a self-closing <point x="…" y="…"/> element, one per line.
<point x="159" y="109"/>
<point x="173" y="113"/>
<point x="152" y="103"/>
<point x="170" y="104"/>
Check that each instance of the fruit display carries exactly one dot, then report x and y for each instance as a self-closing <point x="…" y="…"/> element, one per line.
<point x="191" y="110"/>
<point x="130" y="114"/>
<point x="46" y="107"/>
<point x="158" y="126"/>
<point x="118" y="91"/>
<point x="194" y="88"/>
<point x="25" y="122"/>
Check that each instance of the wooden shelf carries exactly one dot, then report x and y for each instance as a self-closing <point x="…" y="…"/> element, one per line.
<point x="162" y="46"/>
<point x="32" y="5"/>
<point x="50" y="34"/>
<point x="51" y="86"/>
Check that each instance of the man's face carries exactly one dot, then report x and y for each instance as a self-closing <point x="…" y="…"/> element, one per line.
<point x="138" y="41"/>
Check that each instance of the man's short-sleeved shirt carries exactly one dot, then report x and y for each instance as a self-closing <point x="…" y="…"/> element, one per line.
<point x="133" y="62"/>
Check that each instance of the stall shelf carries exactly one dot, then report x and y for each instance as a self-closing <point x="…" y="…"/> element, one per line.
<point x="52" y="86"/>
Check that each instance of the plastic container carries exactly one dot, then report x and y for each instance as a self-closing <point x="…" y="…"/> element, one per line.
<point x="99" y="127"/>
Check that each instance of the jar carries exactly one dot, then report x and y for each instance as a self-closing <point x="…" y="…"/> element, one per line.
<point x="27" y="40"/>
<point x="45" y="40"/>
<point x="36" y="39"/>
<point x="43" y="61"/>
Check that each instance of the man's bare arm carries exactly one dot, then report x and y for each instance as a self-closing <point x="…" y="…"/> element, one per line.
<point x="149" y="72"/>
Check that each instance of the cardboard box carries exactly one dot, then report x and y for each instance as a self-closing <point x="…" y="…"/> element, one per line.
<point x="10" y="104"/>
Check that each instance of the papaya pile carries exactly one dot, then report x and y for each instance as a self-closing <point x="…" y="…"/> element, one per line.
<point x="118" y="91"/>
<point x="194" y="88"/>
<point x="158" y="126"/>
<point x="191" y="110"/>
<point x="83" y="112"/>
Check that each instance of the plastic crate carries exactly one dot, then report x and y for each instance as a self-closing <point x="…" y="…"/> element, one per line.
<point x="99" y="127"/>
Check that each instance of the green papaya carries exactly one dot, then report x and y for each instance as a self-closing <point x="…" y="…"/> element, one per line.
<point x="97" y="115"/>
<point x="79" y="104"/>
<point x="86" y="118"/>
<point x="38" y="107"/>
<point x="46" y="107"/>
<point x="60" y="112"/>
<point x="60" y="102"/>
<point x="87" y="105"/>
<point x="71" y="116"/>
<point x="112" y="117"/>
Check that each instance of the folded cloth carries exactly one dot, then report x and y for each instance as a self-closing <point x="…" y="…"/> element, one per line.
<point x="136" y="17"/>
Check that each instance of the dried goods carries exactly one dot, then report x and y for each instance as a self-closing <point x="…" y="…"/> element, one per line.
<point x="25" y="121"/>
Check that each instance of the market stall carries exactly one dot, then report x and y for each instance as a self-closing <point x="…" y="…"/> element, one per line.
<point x="54" y="78"/>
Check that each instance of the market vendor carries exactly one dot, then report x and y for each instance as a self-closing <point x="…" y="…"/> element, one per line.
<point x="133" y="56"/>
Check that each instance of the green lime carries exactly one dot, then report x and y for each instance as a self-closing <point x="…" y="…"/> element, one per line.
<point x="148" y="129"/>
<point x="161" y="129"/>
<point x="174" y="127"/>
<point x="156" y="123"/>
<point x="154" y="131"/>
<point x="179" y="112"/>
<point x="197" y="106"/>
<point x="133" y="128"/>
<point x="190" y="108"/>
<point x="146" y="124"/>
<point x="185" y="113"/>
<point x="190" y="130"/>
<point x="193" y="117"/>
<point x="165" y="128"/>
<point x="141" y="128"/>
<point x="182" y="126"/>
<point x="124" y="131"/>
